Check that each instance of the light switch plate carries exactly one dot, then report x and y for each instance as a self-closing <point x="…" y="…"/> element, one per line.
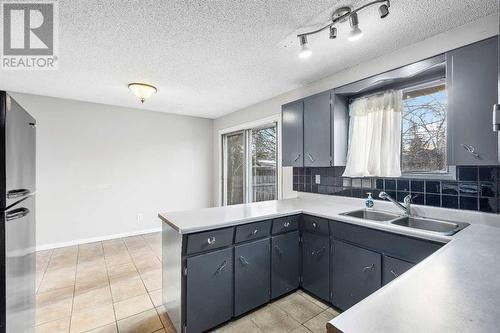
<point x="318" y="179"/>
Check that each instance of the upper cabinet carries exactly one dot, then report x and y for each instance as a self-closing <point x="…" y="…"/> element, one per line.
<point x="315" y="131"/>
<point x="317" y="152"/>
<point x="292" y="122"/>
<point x="472" y="89"/>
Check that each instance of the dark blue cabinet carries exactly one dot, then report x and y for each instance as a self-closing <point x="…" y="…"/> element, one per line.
<point x="252" y="284"/>
<point x="209" y="290"/>
<point x="285" y="259"/>
<point x="356" y="273"/>
<point x="316" y="264"/>
<point x="317" y="136"/>
<point x="292" y="119"/>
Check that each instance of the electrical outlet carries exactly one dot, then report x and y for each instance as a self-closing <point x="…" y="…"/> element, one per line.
<point x="139" y="217"/>
<point x="318" y="179"/>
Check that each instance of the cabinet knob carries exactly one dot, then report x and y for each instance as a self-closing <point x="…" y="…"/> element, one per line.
<point x="211" y="240"/>
<point x="315" y="225"/>
<point x="286" y="224"/>
<point x="255" y="232"/>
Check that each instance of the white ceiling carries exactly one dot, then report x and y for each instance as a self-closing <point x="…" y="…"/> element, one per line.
<point x="209" y="58"/>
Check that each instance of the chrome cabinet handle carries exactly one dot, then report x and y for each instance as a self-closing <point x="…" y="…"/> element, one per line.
<point x="244" y="261"/>
<point x="369" y="268"/>
<point x="315" y="225"/>
<point x="211" y="240"/>
<point x="286" y="224"/>
<point x="310" y="157"/>
<point x="17" y="214"/>
<point x="297" y="158"/>
<point x="255" y="232"/>
<point x="318" y="252"/>
<point x="278" y="250"/>
<point x="394" y="273"/>
<point x="12" y="194"/>
<point x="472" y="150"/>
<point x="221" y="267"/>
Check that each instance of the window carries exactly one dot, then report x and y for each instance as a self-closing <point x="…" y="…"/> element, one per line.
<point x="423" y="147"/>
<point x="250" y="172"/>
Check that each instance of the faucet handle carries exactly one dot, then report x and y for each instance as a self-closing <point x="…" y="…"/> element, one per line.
<point x="407" y="200"/>
<point x="382" y="195"/>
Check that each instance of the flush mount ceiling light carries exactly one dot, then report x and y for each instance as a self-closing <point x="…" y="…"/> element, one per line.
<point x="142" y="90"/>
<point x="341" y="15"/>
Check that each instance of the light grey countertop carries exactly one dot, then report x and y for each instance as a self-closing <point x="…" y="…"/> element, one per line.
<point x="455" y="289"/>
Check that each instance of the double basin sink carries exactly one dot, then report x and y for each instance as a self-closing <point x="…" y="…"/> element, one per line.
<point x="430" y="225"/>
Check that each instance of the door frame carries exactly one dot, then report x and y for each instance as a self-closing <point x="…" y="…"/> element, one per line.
<point x="242" y="127"/>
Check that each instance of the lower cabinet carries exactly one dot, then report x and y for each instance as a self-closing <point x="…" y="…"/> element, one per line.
<point x="392" y="268"/>
<point x="285" y="259"/>
<point x="356" y="273"/>
<point x="316" y="264"/>
<point x="209" y="290"/>
<point x="252" y="278"/>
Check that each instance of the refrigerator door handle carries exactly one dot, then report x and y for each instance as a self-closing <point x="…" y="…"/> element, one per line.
<point x="17" y="214"/>
<point x="19" y="193"/>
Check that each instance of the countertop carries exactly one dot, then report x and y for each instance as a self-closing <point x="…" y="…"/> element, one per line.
<point x="455" y="289"/>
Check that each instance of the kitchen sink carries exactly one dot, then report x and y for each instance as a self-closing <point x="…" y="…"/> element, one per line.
<point x="372" y="215"/>
<point x="441" y="227"/>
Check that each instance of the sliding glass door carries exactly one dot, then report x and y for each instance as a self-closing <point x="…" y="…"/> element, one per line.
<point x="250" y="165"/>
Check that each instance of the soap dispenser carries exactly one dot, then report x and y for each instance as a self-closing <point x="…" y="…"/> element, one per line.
<point x="369" y="201"/>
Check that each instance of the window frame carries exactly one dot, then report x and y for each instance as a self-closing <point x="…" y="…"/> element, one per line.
<point x="450" y="174"/>
<point x="246" y="129"/>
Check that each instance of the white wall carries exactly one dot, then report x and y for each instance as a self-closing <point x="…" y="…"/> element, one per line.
<point x="484" y="28"/>
<point x="98" y="166"/>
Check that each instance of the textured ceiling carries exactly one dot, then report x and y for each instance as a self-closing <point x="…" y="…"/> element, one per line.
<point x="209" y="58"/>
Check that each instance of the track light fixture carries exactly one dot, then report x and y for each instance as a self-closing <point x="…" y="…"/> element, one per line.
<point x="341" y="15"/>
<point x="305" y="52"/>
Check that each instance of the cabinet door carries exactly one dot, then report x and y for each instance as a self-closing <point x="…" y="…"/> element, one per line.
<point x="209" y="290"/>
<point x="340" y="129"/>
<point x="393" y="268"/>
<point x="285" y="257"/>
<point x="472" y="91"/>
<point x="356" y="273"/>
<point x="317" y="136"/>
<point x="316" y="264"/>
<point x="251" y="275"/>
<point x="293" y="134"/>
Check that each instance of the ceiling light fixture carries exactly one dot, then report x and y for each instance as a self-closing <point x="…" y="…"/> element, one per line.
<point x="305" y="52"/>
<point x="341" y="15"/>
<point x="356" y="32"/>
<point x="142" y="90"/>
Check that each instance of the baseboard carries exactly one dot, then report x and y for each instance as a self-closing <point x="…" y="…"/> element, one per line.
<point x="96" y="239"/>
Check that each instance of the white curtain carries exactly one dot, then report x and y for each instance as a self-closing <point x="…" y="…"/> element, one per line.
<point x="375" y="136"/>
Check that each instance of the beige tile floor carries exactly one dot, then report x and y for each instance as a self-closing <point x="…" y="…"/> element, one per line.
<point x="115" y="286"/>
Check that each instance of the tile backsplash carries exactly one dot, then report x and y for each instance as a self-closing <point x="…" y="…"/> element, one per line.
<point x="476" y="188"/>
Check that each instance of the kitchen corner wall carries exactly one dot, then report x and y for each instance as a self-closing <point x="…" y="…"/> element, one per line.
<point x="476" y="188"/>
<point x="99" y="166"/>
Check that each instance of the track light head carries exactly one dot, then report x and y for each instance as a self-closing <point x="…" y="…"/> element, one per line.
<point x="305" y="52"/>
<point x="333" y="32"/>
<point x="356" y="32"/>
<point x="383" y="11"/>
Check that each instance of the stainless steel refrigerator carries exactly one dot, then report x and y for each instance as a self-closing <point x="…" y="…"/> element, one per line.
<point x="17" y="230"/>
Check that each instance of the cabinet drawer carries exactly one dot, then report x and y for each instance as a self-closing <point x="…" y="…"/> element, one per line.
<point x="251" y="231"/>
<point x="392" y="268"/>
<point x="209" y="240"/>
<point x="315" y="224"/>
<point x="403" y="247"/>
<point x="285" y="224"/>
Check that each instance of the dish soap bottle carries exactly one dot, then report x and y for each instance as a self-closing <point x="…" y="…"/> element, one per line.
<point x="369" y="201"/>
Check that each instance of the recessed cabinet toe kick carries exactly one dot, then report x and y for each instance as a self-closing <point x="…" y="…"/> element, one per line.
<point x="212" y="276"/>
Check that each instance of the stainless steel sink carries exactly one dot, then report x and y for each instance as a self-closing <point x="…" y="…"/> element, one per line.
<point x="437" y="226"/>
<point x="372" y="215"/>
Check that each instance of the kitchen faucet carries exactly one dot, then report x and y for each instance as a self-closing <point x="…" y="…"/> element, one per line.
<point x="406" y="208"/>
